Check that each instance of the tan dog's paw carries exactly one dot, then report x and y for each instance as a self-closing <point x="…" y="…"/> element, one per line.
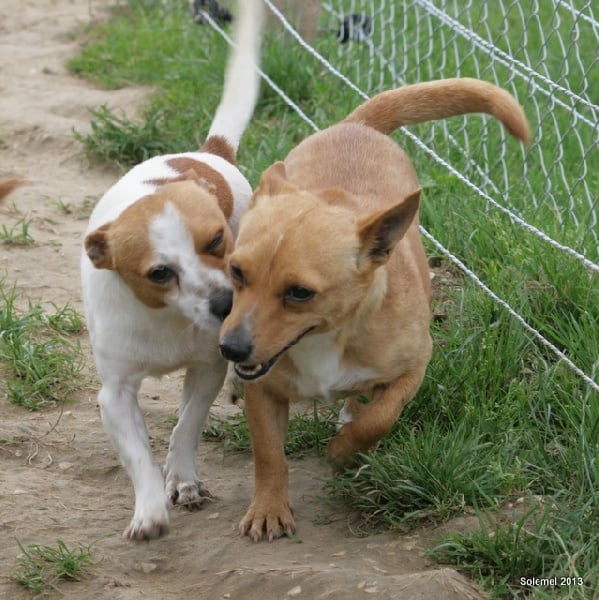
<point x="343" y="449"/>
<point x="341" y="452"/>
<point x="268" y="520"/>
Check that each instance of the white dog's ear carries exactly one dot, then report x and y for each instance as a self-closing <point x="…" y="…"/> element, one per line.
<point x="379" y="232"/>
<point x="274" y="182"/>
<point x="97" y="248"/>
<point x="191" y="175"/>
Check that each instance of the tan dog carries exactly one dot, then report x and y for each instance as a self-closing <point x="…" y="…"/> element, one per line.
<point x="332" y="293"/>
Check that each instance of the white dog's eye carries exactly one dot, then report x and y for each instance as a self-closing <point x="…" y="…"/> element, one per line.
<point x="161" y="274"/>
<point x="215" y="244"/>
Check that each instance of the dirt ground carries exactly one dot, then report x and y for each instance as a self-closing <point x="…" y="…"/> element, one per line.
<point x="60" y="476"/>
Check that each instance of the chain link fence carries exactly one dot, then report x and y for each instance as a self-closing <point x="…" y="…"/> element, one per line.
<point x="545" y="52"/>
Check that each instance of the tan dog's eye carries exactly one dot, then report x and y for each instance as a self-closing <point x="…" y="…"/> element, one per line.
<point x="236" y="274"/>
<point x="161" y="275"/>
<point x="299" y="293"/>
<point x="215" y="244"/>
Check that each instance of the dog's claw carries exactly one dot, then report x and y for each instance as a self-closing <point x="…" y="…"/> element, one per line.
<point x="269" y="524"/>
<point x="190" y="494"/>
<point x="139" y="532"/>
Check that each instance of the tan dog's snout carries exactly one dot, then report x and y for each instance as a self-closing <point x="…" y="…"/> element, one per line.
<point x="236" y="345"/>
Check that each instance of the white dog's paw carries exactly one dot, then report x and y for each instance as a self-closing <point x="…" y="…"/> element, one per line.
<point x="345" y="417"/>
<point x="191" y="494"/>
<point x="148" y="525"/>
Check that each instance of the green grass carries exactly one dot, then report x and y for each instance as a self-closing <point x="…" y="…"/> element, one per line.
<point x="41" y="568"/>
<point x="498" y="417"/>
<point x="18" y="235"/>
<point x="39" y="361"/>
<point x="308" y="433"/>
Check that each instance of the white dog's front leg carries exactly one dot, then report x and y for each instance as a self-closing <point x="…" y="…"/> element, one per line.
<point x="124" y="422"/>
<point x="202" y="384"/>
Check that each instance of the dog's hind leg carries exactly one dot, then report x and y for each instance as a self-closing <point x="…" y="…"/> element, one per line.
<point x="373" y="421"/>
<point x="124" y="422"/>
<point x="183" y="486"/>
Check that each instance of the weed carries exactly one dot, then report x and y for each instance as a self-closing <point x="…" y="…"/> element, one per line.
<point x="508" y="558"/>
<point x="80" y="212"/>
<point x="18" y="235"/>
<point x="41" y="568"/>
<point x="40" y="364"/>
<point x="116" y="139"/>
<point x="306" y="434"/>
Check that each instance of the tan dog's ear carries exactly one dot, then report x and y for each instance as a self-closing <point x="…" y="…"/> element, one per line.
<point x="380" y="231"/>
<point x="96" y="247"/>
<point x="274" y="181"/>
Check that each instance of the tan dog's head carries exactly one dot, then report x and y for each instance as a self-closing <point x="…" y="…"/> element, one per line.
<point x="170" y="248"/>
<point x="303" y="266"/>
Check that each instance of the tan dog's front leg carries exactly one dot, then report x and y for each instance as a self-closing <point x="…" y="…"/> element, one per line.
<point x="269" y="515"/>
<point x="371" y="422"/>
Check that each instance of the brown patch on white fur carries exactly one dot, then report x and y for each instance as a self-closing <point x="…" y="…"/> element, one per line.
<point x="8" y="185"/>
<point x="124" y="245"/>
<point x="217" y="144"/>
<point x="203" y="174"/>
<point x="339" y="218"/>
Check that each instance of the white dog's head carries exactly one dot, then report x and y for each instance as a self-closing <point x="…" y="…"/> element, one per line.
<point x="171" y="248"/>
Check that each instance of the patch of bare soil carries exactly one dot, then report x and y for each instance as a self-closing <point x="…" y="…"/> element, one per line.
<point x="60" y="476"/>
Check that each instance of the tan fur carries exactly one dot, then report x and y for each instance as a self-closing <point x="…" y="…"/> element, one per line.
<point x="124" y="246"/>
<point x="340" y="217"/>
<point x="433" y="100"/>
<point x="8" y="185"/>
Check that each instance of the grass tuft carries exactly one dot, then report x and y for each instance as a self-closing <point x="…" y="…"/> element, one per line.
<point x="115" y="139"/>
<point x="41" y="568"/>
<point x="307" y="434"/>
<point x="18" y="235"/>
<point x="41" y="365"/>
<point x="510" y="559"/>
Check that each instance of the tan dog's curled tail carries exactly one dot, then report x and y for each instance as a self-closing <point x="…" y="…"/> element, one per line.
<point x="434" y="100"/>
<point x="8" y="185"/>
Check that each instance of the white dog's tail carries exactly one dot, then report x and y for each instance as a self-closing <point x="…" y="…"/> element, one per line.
<point x="242" y="82"/>
<point x="433" y="100"/>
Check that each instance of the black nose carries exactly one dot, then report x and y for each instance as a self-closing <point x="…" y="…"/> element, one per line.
<point x="220" y="303"/>
<point x="236" y="346"/>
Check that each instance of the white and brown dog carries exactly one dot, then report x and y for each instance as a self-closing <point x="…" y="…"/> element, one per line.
<point x="155" y="287"/>
<point x="332" y="291"/>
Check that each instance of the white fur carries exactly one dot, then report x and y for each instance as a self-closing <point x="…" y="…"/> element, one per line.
<point x="134" y="185"/>
<point x="131" y="341"/>
<point x="344" y="417"/>
<point x="241" y="80"/>
<point x="321" y="373"/>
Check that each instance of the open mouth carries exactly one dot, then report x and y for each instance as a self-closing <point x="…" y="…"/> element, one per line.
<point x="249" y="372"/>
